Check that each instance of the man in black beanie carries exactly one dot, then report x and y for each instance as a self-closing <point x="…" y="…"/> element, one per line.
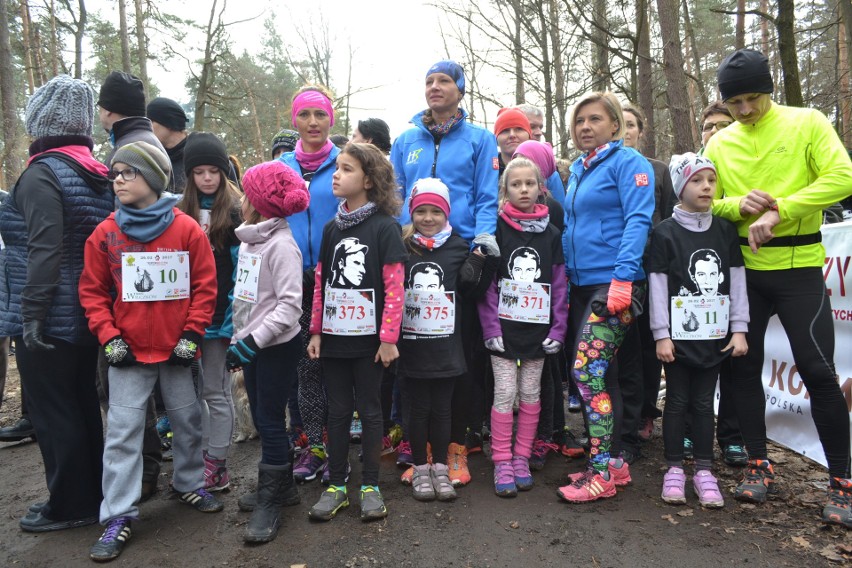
<point x="169" y="122"/>
<point x="778" y="168"/>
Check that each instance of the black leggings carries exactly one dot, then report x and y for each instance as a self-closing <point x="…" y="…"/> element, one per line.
<point x="353" y="384"/>
<point x="799" y="298"/>
<point x="689" y="389"/>
<point x="429" y="409"/>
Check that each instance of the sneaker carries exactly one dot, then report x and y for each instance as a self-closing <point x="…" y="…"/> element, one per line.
<point x="309" y="465"/>
<point x="504" y="479"/>
<point x="707" y="489"/>
<point x="571" y="447"/>
<point x="355" y="429"/>
<point x="687" y="449"/>
<point x="575" y="404"/>
<point x="403" y="455"/>
<point x="330" y="502"/>
<point x="591" y="486"/>
<point x="457" y="463"/>
<point x="326" y="473"/>
<point x="392" y="439"/>
<point x="646" y="429"/>
<point x="216" y="477"/>
<point x="758" y="482"/>
<point x="631" y="456"/>
<point x="540" y="450"/>
<point x="372" y="504"/>
<point x="620" y="476"/>
<point x="298" y="440"/>
<point x="838" y="510"/>
<point x="421" y="482"/>
<point x="523" y="477"/>
<point x="163" y="425"/>
<point x="473" y="441"/>
<point x="674" y="482"/>
<point x="202" y="500"/>
<point x="441" y="483"/>
<point x="735" y="455"/>
<point x="112" y="542"/>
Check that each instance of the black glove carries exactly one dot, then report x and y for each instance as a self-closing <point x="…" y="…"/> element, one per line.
<point x="32" y="336"/>
<point x="118" y="353"/>
<point x="184" y="352"/>
<point x="241" y="353"/>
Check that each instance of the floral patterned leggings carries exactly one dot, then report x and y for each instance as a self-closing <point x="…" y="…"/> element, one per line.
<point x="597" y="339"/>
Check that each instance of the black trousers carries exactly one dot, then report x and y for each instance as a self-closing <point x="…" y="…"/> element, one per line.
<point x="429" y="408"/>
<point x="689" y="389"/>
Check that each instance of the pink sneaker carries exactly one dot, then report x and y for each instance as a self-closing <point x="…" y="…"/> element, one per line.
<point x="707" y="489"/>
<point x="591" y="486"/>
<point x="673" y="486"/>
<point x="620" y="475"/>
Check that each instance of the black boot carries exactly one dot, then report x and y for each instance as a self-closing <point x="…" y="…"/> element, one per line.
<point x="263" y="524"/>
<point x="23" y="428"/>
<point x="248" y="502"/>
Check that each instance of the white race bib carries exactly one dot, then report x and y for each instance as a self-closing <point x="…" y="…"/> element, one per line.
<point x="699" y="317"/>
<point x="429" y="313"/>
<point x="349" y="312"/>
<point x="524" y="301"/>
<point x="154" y="276"/>
<point x="248" y="275"/>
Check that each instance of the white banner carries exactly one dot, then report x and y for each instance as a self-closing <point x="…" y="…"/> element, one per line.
<point x="788" y="408"/>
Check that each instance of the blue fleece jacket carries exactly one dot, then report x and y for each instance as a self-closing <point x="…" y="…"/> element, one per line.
<point x="608" y="210"/>
<point x="465" y="159"/>
<point x="307" y="225"/>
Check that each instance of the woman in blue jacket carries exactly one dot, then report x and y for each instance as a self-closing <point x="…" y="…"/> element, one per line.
<point x="608" y="206"/>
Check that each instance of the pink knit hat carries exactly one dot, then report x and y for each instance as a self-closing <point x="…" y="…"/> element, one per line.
<point x="540" y="154"/>
<point x="275" y="190"/>
<point x="430" y="191"/>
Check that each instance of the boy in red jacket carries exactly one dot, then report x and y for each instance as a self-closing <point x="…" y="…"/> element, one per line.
<point x="149" y="290"/>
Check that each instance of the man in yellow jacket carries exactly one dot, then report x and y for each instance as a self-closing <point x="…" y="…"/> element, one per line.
<point x="778" y="168"/>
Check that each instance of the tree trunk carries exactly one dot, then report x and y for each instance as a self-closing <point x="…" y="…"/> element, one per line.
<point x="844" y="47"/>
<point x="517" y="53"/>
<point x="206" y="67"/>
<point x="740" y="25"/>
<point x="600" y="63"/>
<point x="7" y="96"/>
<point x="692" y="70"/>
<point x="54" y="41"/>
<point x="675" y="77"/>
<point x="125" y="41"/>
<point x="785" y="24"/>
<point x="644" y="87"/>
<point x="696" y="57"/>
<point x="141" y="44"/>
<point x="79" y="32"/>
<point x="555" y="88"/>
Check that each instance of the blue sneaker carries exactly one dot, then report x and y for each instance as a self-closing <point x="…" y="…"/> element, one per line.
<point x="574" y="403"/>
<point x="355" y="429"/>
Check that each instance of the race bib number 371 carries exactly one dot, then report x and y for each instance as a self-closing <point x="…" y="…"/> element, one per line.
<point x="154" y="276"/>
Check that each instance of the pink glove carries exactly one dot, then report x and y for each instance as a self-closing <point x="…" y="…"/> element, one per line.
<point x="619" y="297"/>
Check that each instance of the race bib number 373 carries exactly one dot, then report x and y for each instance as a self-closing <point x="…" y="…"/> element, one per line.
<point x="154" y="276"/>
<point x="349" y="312"/>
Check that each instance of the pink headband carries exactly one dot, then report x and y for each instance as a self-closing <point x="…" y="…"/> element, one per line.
<point x="312" y="99"/>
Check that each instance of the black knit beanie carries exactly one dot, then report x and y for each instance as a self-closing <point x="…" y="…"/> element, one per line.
<point x="168" y="113"/>
<point x="205" y="149"/>
<point x="123" y="93"/>
<point x="744" y="71"/>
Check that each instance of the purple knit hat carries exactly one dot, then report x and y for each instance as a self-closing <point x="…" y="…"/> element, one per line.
<point x="275" y="190"/>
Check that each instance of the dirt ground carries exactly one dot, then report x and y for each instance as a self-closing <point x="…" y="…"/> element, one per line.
<point x="634" y="529"/>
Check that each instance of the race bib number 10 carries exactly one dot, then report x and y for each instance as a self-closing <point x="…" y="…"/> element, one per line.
<point x="349" y="312"/>
<point x="154" y="276"/>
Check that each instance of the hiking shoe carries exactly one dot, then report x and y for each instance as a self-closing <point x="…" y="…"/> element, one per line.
<point x="735" y="455"/>
<point x="202" y="500"/>
<point x="620" y="476"/>
<point x="687" y="449"/>
<point x="504" y="479"/>
<point x="631" y="456"/>
<point x="571" y="447"/>
<point x="326" y="473"/>
<point x="403" y="455"/>
<point x="838" y="510"/>
<point x="355" y="429"/>
<point x="707" y="489"/>
<point x="391" y="440"/>
<point x="457" y="464"/>
<point x="540" y="450"/>
<point x="758" y="481"/>
<point x="421" y="482"/>
<point x="441" y="483"/>
<point x="591" y="486"/>
<point x="163" y="425"/>
<point x="674" y="486"/>
<point x="523" y="477"/>
<point x="646" y="429"/>
<point x="473" y="441"/>
<point x="330" y="502"/>
<point x="112" y="542"/>
<point x="309" y="464"/>
<point x="298" y="440"/>
<point x="372" y="504"/>
<point x="575" y="404"/>
<point x="216" y="477"/>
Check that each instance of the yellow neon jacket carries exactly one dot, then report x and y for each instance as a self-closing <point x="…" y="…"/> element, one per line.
<point x="793" y="154"/>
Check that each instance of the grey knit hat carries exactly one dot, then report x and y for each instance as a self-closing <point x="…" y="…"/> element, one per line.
<point x="151" y="162"/>
<point x="61" y="107"/>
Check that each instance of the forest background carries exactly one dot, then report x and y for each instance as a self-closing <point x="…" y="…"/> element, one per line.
<point x="235" y="66"/>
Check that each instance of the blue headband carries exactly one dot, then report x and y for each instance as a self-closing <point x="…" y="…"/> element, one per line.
<point x="451" y="68"/>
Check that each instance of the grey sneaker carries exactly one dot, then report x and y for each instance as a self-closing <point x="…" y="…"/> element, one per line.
<point x="330" y="502"/>
<point x="372" y="504"/>
<point x="441" y="483"/>
<point x="421" y="483"/>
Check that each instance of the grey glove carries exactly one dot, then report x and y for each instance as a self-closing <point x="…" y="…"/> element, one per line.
<point x="495" y="344"/>
<point x="551" y="346"/>
<point x="487" y="242"/>
<point x="118" y="353"/>
<point x="32" y="336"/>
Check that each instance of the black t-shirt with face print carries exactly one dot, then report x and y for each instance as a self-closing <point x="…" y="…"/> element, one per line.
<point x="354" y="294"/>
